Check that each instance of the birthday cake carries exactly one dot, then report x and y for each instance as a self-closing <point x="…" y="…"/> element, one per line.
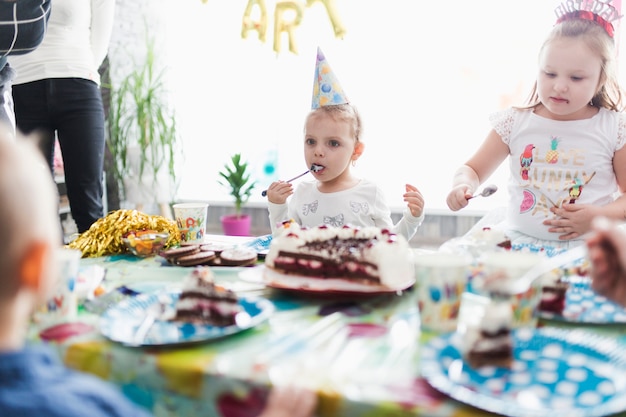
<point x="368" y="255"/>
<point x="490" y="342"/>
<point x="203" y="302"/>
<point x="490" y="239"/>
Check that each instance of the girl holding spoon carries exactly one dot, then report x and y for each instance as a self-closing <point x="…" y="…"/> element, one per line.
<point x="565" y="147"/>
<point x="332" y="146"/>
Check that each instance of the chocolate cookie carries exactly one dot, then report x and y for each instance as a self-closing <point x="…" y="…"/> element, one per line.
<point x="198" y="258"/>
<point x="174" y="253"/>
<point x="216" y="247"/>
<point x="238" y="257"/>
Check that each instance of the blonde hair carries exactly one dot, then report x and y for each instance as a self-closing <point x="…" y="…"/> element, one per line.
<point x="28" y="209"/>
<point x="345" y="113"/>
<point x="610" y="94"/>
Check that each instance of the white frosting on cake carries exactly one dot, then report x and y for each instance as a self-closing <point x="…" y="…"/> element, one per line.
<point x="391" y="253"/>
<point x="489" y="236"/>
<point x="497" y="315"/>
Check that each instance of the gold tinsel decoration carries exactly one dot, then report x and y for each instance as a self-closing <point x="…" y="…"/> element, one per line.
<point x="104" y="237"/>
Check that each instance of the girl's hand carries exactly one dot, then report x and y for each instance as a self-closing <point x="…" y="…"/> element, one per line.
<point x="414" y="200"/>
<point x="457" y="198"/>
<point x="607" y="254"/>
<point x="278" y="192"/>
<point x="572" y="221"/>
<point x="290" y="402"/>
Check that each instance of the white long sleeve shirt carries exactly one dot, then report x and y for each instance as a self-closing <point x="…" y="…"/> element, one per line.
<point x="361" y="205"/>
<point x="75" y="43"/>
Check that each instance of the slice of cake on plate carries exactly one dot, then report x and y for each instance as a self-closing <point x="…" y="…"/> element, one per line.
<point x="201" y="301"/>
<point x="368" y="255"/>
<point x="489" y="343"/>
<point x="553" y="292"/>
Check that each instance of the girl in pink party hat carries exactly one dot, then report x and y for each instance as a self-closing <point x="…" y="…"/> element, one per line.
<point x="567" y="159"/>
<point x="332" y="145"/>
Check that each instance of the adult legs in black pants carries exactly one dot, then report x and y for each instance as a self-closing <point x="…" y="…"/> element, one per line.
<point x="71" y="107"/>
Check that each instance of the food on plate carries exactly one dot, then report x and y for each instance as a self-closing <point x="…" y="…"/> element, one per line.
<point x="216" y="247"/>
<point x="368" y="255"/>
<point x="201" y="301"/>
<point x="489" y="343"/>
<point x="202" y="254"/>
<point x="490" y="239"/>
<point x="105" y="236"/>
<point x="197" y="258"/>
<point x="238" y="257"/>
<point x="174" y="253"/>
<point x="553" y="291"/>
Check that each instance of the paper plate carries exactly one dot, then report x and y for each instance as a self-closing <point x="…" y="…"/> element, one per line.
<point x="556" y="373"/>
<point x="120" y="322"/>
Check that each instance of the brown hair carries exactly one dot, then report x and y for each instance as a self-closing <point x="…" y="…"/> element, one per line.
<point x="610" y="94"/>
<point x="345" y="113"/>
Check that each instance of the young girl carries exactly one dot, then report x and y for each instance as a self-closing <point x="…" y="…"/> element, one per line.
<point x="337" y="197"/>
<point x="566" y="150"/>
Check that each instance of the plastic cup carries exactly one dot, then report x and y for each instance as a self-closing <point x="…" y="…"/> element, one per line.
<point x="62" y="303"/>
<point x="441" y="280"/>
<point x="191" y="221"/>
<point x="506" y="267"/>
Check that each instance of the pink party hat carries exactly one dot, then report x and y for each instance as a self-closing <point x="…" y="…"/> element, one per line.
<point x="326" y="88"/>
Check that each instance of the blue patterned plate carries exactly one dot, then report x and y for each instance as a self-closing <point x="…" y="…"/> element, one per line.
<point x="121" y="321"/>
<point x="583" y="305"/>
<point x="556" y="373"/>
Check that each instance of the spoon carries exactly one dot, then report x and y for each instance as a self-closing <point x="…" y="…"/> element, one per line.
<point x="486" y="192"/>
<point x="313" y="168"/>
<point x="523" y="283"/>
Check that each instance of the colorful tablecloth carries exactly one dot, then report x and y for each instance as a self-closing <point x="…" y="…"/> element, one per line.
<point x="360" y="353"/>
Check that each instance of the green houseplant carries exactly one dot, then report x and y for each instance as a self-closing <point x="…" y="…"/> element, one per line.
<point x="142" y="132"/>
<point x="235" y="176"/>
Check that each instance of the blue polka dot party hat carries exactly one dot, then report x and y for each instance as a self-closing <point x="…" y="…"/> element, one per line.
<point x="326" y="88"/>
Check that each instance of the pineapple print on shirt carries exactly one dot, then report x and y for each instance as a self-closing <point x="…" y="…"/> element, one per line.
<point x="552" y="156"/>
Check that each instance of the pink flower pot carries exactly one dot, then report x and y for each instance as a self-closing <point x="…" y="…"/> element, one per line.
<point x="234" y="225"/>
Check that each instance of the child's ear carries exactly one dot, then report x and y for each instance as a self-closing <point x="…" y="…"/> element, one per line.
<point x="32" y="267"/>
<point x="358" y="150"/>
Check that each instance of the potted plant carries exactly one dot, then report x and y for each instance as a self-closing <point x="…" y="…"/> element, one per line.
<point x="142" y="134"/>
<point x="236" y="178"/>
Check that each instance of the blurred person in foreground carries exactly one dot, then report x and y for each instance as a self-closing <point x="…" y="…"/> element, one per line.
<point x="33" y="381"/>
<point x="607" y="254"/>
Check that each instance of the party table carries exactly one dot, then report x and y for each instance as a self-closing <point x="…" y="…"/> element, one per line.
<point x="361" y="353"/>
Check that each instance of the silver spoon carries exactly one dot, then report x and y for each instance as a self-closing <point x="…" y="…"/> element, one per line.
<point x="313" y="168"/>
<point x="523" y="283"/>
<point x="486" y="192"/>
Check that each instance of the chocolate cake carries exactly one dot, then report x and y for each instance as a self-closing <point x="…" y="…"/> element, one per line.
<point x="490" y="343"/>
<point x="203" y="302"/>
<point x="553" y="291"/>
<point x="369" y="255"/>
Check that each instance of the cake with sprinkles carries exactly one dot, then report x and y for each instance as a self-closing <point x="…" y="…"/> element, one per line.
<point x="368" y="255"/>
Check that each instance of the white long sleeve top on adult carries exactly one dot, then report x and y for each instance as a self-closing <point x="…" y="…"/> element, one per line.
<point x="361" y="205"/>
<point x="75" y="44"/>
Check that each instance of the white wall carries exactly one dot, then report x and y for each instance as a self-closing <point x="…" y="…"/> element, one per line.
<point x="424" y="75"/>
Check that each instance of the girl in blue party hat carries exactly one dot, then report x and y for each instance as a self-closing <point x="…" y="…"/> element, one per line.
<point x="332" y="145"/>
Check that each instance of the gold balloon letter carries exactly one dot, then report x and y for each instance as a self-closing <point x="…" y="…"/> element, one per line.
<point x="338" y="27"/>
<point x="249" y="24"/>
<point x="280" y="25"/>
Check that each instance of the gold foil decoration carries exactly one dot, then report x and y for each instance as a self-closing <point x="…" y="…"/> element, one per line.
<point x="104" y="237"/>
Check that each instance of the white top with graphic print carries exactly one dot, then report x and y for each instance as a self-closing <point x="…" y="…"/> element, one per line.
<point x="552" y="162"/>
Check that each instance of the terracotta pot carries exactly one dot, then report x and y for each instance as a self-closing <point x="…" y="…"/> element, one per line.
<point x="234" y="225"/>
